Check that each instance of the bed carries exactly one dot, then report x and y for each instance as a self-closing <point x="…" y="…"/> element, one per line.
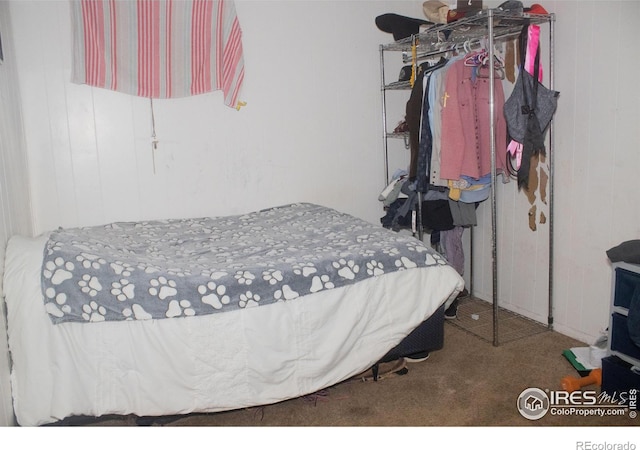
<point x="178" y="316"/>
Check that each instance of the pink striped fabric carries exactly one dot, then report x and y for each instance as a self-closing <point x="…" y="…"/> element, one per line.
<point x="158" y="48"/>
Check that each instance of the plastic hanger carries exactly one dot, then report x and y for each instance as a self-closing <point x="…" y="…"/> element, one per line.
<point x="475" y="59"/>
<point x="498" y="72"/>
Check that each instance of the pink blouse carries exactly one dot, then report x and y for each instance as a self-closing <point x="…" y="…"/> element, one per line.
<point x="465" y="141"/>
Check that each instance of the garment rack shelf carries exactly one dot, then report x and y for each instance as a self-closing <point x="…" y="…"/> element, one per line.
<point x="484" y="28"/>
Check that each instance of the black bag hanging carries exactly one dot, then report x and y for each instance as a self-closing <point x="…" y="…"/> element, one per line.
<point x="528" y="111"/>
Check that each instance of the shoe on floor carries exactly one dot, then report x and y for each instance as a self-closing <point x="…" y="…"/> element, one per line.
<point x="452" y="311"/>
<point x="417" y="357"/>
<point x="384" y="370"/>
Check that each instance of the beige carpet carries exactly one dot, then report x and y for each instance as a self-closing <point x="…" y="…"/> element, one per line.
<point x="477" y="317"/>
<point x="468" y="383"/>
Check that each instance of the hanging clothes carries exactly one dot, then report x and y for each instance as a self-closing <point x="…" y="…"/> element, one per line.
<point x="160" y="48"/>
<point x="424" y="144"/>
<point x="413" y="113"/>
<point x="437" y="100"/>
<point x="452" y="247"/>
<point x="529" y="109"/>
<point x="465" y="140"/>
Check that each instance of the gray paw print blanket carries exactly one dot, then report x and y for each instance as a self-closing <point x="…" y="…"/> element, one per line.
<point x="187" y="267"/>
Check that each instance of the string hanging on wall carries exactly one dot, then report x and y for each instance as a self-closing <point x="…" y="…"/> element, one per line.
<point x="154" y="140"/>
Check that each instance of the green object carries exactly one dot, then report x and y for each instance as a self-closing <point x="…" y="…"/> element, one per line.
<point x="582" y="370"/>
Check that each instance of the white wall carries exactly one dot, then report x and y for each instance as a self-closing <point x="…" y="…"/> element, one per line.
<point x="15" y="216"/>
<point x="596" y="161"/>
<point x="597" y="157"/>
<point x="598" y="154"/>
<point x="311" y="132"/>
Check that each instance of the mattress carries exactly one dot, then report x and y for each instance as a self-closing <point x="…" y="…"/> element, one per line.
<point x="206" y="363"/>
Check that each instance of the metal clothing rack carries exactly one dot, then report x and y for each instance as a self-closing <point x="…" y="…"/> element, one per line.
<point x="487" y="26"/>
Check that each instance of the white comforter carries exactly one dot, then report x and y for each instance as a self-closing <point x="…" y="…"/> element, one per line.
<point x="211" y="363"/>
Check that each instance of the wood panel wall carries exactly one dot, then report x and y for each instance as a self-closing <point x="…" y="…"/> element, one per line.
<point x="15" y="207"/>
<point x="311" y="132"/>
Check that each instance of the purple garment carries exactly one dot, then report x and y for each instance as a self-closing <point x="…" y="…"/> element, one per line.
<point x="452" y="244"/>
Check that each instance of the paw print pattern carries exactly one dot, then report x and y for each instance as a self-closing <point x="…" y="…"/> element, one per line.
<point x="179" y="272"/>
<point x="89" y="285"/>
<point x="367" y="253"/>
<point x="237" y="277"/>
<point x="416" y="248"/>
<point x="346" y="269"/>
<point x="179" y="308"/>
<point x="304" y="269"/>
<point x="162" y="288"/>
<point x="286" y="293"/>
<point x="391" y="251"/>
<point x="214" y="275"/>
<point x="214" y="295"/>
<point x="136" y="312"/>
<point x="405" y="263"/>
<point x="89" y="261"/>
<point x="58" y="270"/>
<point x="122" y="290"/>
<point x="60" y="298"/>
<point x="53" y="247"/>
<point x="319" y="283"/>
<point x="148" y="268"/>
<point x="434" y="259"/>
<point x="92" y="312"/>
<point x="275" y="252"/>
<point x="375" y="268"/>
<point x="240" y="234"/>
<point x="244" y="277"/>
<point x="53" y="310"/>
<point x="249" y="299"/>
<point x="122" y="268"/>
<point x="272" y="276"/>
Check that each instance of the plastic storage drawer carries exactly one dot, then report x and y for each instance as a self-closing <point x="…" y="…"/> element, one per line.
<point x="617" y="376"/>
<point x="620" y="340"/>
<point x="626" y="284"/>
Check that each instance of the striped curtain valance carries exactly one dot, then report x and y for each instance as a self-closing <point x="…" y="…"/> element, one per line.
<point x="158" y="48"/>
